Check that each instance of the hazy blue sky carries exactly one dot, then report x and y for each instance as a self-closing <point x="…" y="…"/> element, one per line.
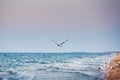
<point x="29" y="25"/>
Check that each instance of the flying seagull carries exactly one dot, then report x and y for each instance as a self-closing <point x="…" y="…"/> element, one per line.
<point x="60" y="44"/>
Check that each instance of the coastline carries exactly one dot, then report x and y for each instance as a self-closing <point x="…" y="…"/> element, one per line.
<point x="113" y="68"/>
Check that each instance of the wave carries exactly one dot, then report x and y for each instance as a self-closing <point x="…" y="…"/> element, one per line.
<point x="50" y="76"/>
<point x="68" y="66"/>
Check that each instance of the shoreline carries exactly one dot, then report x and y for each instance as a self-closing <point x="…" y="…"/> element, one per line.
<point x="113" y="68"/>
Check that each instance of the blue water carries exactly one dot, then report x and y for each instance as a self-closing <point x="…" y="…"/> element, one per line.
<point x="52" y="66"/>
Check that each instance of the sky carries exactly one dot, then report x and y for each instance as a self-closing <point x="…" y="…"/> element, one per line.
<point x="29" y="25"/>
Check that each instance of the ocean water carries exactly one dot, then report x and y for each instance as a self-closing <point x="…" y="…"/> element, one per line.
<point x="53" y="66"/>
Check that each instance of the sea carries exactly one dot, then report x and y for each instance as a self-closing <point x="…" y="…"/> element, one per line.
<point x="53" y="66"/>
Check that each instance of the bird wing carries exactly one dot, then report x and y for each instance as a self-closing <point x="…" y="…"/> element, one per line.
<point x="54" y="41"/>
<point x="64" y="42"/>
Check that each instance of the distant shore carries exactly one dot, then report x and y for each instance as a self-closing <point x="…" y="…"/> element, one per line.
<point x="113" y="68"/>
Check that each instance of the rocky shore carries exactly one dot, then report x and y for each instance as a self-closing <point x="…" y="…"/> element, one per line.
<point x="113" y="68"/>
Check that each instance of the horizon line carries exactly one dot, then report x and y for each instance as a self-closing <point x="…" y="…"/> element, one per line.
<point x="63" y="52"/>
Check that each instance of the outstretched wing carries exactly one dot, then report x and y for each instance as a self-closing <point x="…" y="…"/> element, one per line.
<point x="54" y="41"/>
<point x="64" y="42"/>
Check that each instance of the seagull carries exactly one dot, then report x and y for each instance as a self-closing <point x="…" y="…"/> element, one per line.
<point x="60" y="44"/>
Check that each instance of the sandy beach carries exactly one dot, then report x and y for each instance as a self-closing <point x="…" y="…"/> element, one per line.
<point x="113" y="68"/>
